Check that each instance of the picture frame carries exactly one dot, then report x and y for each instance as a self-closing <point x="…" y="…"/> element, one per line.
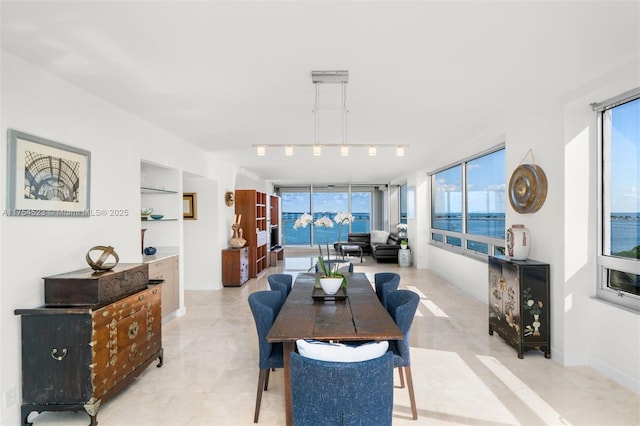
<point x="190" y="206"/>
<point x="46" y="178"/>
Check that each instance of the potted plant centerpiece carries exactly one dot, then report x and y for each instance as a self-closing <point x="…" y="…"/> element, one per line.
<point x="403" y="244"/>
<point x="329" y="277"/>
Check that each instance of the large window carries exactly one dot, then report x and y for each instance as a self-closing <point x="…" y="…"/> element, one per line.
<point x="325" y="201"/>
<point x="619" y="200"/>
<point x="467" y="205"/>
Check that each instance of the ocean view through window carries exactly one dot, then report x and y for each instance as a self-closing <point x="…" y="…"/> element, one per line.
<point x="619" y="200"/>
<point x="325" y="201"/>
<point x="467" y="204"/>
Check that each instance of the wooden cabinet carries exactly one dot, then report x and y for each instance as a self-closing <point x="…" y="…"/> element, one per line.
<point x="235" y="267"/>
<point x="274" y="210"/>
<point x="75" y="358"/>
<point x="252" y="205"/>
<point x="519" y="303"/>
<point x="167" y="270"/>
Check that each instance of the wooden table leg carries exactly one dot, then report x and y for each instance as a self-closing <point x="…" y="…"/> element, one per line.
<point x="287" y="348"/>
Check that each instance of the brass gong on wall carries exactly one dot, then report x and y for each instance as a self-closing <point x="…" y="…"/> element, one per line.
<point x="527" y="188"/>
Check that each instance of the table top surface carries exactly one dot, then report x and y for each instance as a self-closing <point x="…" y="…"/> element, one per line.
<point x="350" y="247"/>
<point x="360" y="316"/>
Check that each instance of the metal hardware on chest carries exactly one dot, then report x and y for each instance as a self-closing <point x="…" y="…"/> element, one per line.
<point x="58" y="357"/>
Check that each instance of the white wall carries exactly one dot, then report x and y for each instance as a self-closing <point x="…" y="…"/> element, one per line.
<point x="202" y="260"/>
<point x="561" y="133"/>
<point x="39" y="103"/>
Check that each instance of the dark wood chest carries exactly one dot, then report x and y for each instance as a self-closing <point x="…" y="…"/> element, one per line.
<point x="87" y="287"/>
<point x="519" y="303"/>
<point x="76" y="357"/>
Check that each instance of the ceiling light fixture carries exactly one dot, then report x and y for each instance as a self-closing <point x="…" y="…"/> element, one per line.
<point x="330" y="77"/>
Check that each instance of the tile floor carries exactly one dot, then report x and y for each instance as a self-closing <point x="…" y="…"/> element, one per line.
<point x="462" y="376"/>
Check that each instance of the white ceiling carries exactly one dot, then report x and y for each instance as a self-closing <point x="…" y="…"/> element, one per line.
<point x="224" y="75"/>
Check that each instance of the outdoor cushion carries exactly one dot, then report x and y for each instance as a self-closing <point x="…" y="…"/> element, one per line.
<point x="340" y="352"/>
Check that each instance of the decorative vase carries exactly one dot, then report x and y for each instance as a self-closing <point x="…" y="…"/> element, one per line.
<point x="518" y="242"/>
<point x="142" y="231"/>
<point x="236" y="241"/>
<point x="330" y="285"/>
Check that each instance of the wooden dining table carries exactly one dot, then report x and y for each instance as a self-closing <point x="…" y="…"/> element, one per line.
<point x="360" y="316"/>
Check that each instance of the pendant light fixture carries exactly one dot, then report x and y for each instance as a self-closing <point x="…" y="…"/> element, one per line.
<point x="330" y="77"/>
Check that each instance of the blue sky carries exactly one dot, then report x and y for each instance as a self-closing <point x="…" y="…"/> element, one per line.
<point x="486" y="182"/>
<point x="331" y="201"/>
<point x="625" y="158"/>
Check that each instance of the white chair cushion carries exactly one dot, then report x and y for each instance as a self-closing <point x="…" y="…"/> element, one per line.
<point x="340" y="352"/>
<point x="379" y="237"/>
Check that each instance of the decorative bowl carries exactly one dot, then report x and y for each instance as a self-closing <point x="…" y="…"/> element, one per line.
<point x="150" y="251"/>
<point x="157" y="216"/>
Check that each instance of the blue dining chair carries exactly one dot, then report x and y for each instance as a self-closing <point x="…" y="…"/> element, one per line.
<point x="342" y="393"/>
<point x="265" y="306"/>
<point x="385" y="283"/>
<point x="285" y="279"/>
<point x="279" y="288"/>
<point x="402" y="306"/>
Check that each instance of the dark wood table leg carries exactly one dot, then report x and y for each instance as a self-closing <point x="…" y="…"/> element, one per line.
<point x="287" y="348"/>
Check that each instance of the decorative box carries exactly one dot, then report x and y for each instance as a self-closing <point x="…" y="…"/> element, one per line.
<point x="88" y="287"/>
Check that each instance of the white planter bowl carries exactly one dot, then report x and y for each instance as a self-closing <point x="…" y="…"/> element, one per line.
<point x="330" y="285"/>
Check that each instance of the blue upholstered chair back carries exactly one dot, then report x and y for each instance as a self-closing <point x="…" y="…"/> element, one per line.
<point x="280" y="288"/>
<point x="265" y="306"/>
<point x="385" y="283"/>
<point x="402" y="305"/>
<point x="285" y="279"/>
<point x="342" y="393"/>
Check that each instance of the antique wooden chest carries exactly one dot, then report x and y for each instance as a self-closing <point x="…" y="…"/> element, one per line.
<point x="519" y="303"/>
<point x="74" y="358"/>
<point x="88" y="287"/>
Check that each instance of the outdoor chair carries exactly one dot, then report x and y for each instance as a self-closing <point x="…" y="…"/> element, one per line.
<point x="342" y="393"/>
<point x="385" y="283"/>
<point x="265" y="306"/>
<point x="402" y="305"/>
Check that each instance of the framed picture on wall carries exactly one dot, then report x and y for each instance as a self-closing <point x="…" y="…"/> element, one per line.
<point x="46" y="178"/>
<point x="190" y="205"/>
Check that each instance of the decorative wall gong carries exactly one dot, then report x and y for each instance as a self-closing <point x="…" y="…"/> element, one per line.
<point x="527" y="188"/>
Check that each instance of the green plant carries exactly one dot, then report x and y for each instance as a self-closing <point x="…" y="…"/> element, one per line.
<point x="403" y="242"/>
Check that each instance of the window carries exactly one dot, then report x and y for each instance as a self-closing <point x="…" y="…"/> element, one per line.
<point x="467" y="205"/>
<point x="325" y="201"/>
<point x="294" y="203"/>
<point x="361" y="202"/>
<point x="403" y="203"/>
<point x="619" y="200"/>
